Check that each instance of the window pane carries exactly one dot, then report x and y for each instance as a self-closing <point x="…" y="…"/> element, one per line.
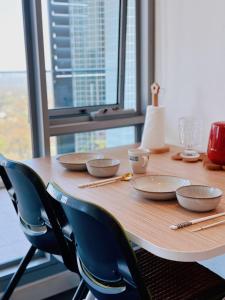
<point x="81" y="51"/>
<point x="130" y="67"/>
<point x="15" y="138"/>
<point x="88" y="141"/>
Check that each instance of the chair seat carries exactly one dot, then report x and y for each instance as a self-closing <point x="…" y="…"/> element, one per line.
<point x="171" y="280"/>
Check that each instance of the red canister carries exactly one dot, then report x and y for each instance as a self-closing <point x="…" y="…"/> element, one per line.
<point x="216" y="145"/>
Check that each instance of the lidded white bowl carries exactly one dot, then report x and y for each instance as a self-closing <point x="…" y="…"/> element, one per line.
<point x="199" y="198"/>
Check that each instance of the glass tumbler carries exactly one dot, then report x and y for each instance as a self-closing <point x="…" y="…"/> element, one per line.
<point x="190" y="133"/>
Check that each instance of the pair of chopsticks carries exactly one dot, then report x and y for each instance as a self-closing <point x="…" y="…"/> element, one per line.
<point x="199" y="220"/>
<point x="100" y="182"/>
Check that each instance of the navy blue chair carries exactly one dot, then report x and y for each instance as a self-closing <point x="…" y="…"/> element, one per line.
<point x="111" y="268"/>
<point x="42" y="220"/>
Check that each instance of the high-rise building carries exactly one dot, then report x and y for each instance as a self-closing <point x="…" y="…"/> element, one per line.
<point x="87" y="32"/>
<point x="84" y="38"/>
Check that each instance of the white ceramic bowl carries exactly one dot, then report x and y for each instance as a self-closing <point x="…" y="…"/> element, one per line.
<point x="199" y="197"/>
<point x="158" y="187"/>
<point x="103" y="167"/>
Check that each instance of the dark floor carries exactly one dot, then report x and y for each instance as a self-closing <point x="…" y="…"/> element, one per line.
<point x="68" y="295"/>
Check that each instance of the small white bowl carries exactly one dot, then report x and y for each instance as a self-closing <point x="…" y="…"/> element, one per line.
<point x="199" y="197"/>
<point x="190" y="158"/>
<point x="103" y="167"/>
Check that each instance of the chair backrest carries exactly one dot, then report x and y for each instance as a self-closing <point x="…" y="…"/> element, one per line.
<point x="41" y="219"/>
<point x="106" y="260"/>
<point x="8" y="185"/>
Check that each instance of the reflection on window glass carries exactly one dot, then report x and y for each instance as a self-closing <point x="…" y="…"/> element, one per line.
<point x="130" y="67"/>
<point x="88" y="141"/>
<point x="81" y="51"/>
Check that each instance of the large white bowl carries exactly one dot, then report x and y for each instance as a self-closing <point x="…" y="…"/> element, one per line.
<point x="77" y="161"/>
<point x="103" y="167"/>
<point x="199" y="197"/>
<point x="158" y="187"/>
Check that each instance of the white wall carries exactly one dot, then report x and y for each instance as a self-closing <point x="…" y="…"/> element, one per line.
<point x="190" y="66"/>
<point x="190" y="60"/>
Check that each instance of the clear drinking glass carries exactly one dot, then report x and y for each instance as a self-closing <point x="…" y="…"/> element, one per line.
<point x="190" y="133"/>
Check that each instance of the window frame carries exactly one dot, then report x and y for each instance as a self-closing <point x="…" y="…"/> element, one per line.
<point x="61" y="121"/>
<point x="43" y="119"/>
<point x="63" y="112"/>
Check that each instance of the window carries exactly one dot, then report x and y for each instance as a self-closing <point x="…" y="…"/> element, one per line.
<point x="130" y="58"/>
<point x="88" y="48"/>
<point x="15" y="137"/>
<point x="81" y="51"/>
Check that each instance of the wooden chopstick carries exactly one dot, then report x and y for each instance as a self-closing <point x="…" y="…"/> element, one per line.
<point x="209" y="226"/>
<point x="94" y="183"/>
<point x="195" y="221"/>
<point x="103" y="183"/>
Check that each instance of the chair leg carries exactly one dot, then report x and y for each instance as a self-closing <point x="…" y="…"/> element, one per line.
<point x="90" y="297"/>
<point x="16" y="277"/>
<point x="81" y="291"/>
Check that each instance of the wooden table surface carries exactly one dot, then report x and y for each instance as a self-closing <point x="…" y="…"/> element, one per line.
<point x="147" y="222"/>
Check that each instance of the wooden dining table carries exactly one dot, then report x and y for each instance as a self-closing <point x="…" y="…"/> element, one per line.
<point x="147" y="222"/>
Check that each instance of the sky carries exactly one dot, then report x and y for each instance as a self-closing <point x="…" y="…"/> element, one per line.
<point x="12" y="49"/>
